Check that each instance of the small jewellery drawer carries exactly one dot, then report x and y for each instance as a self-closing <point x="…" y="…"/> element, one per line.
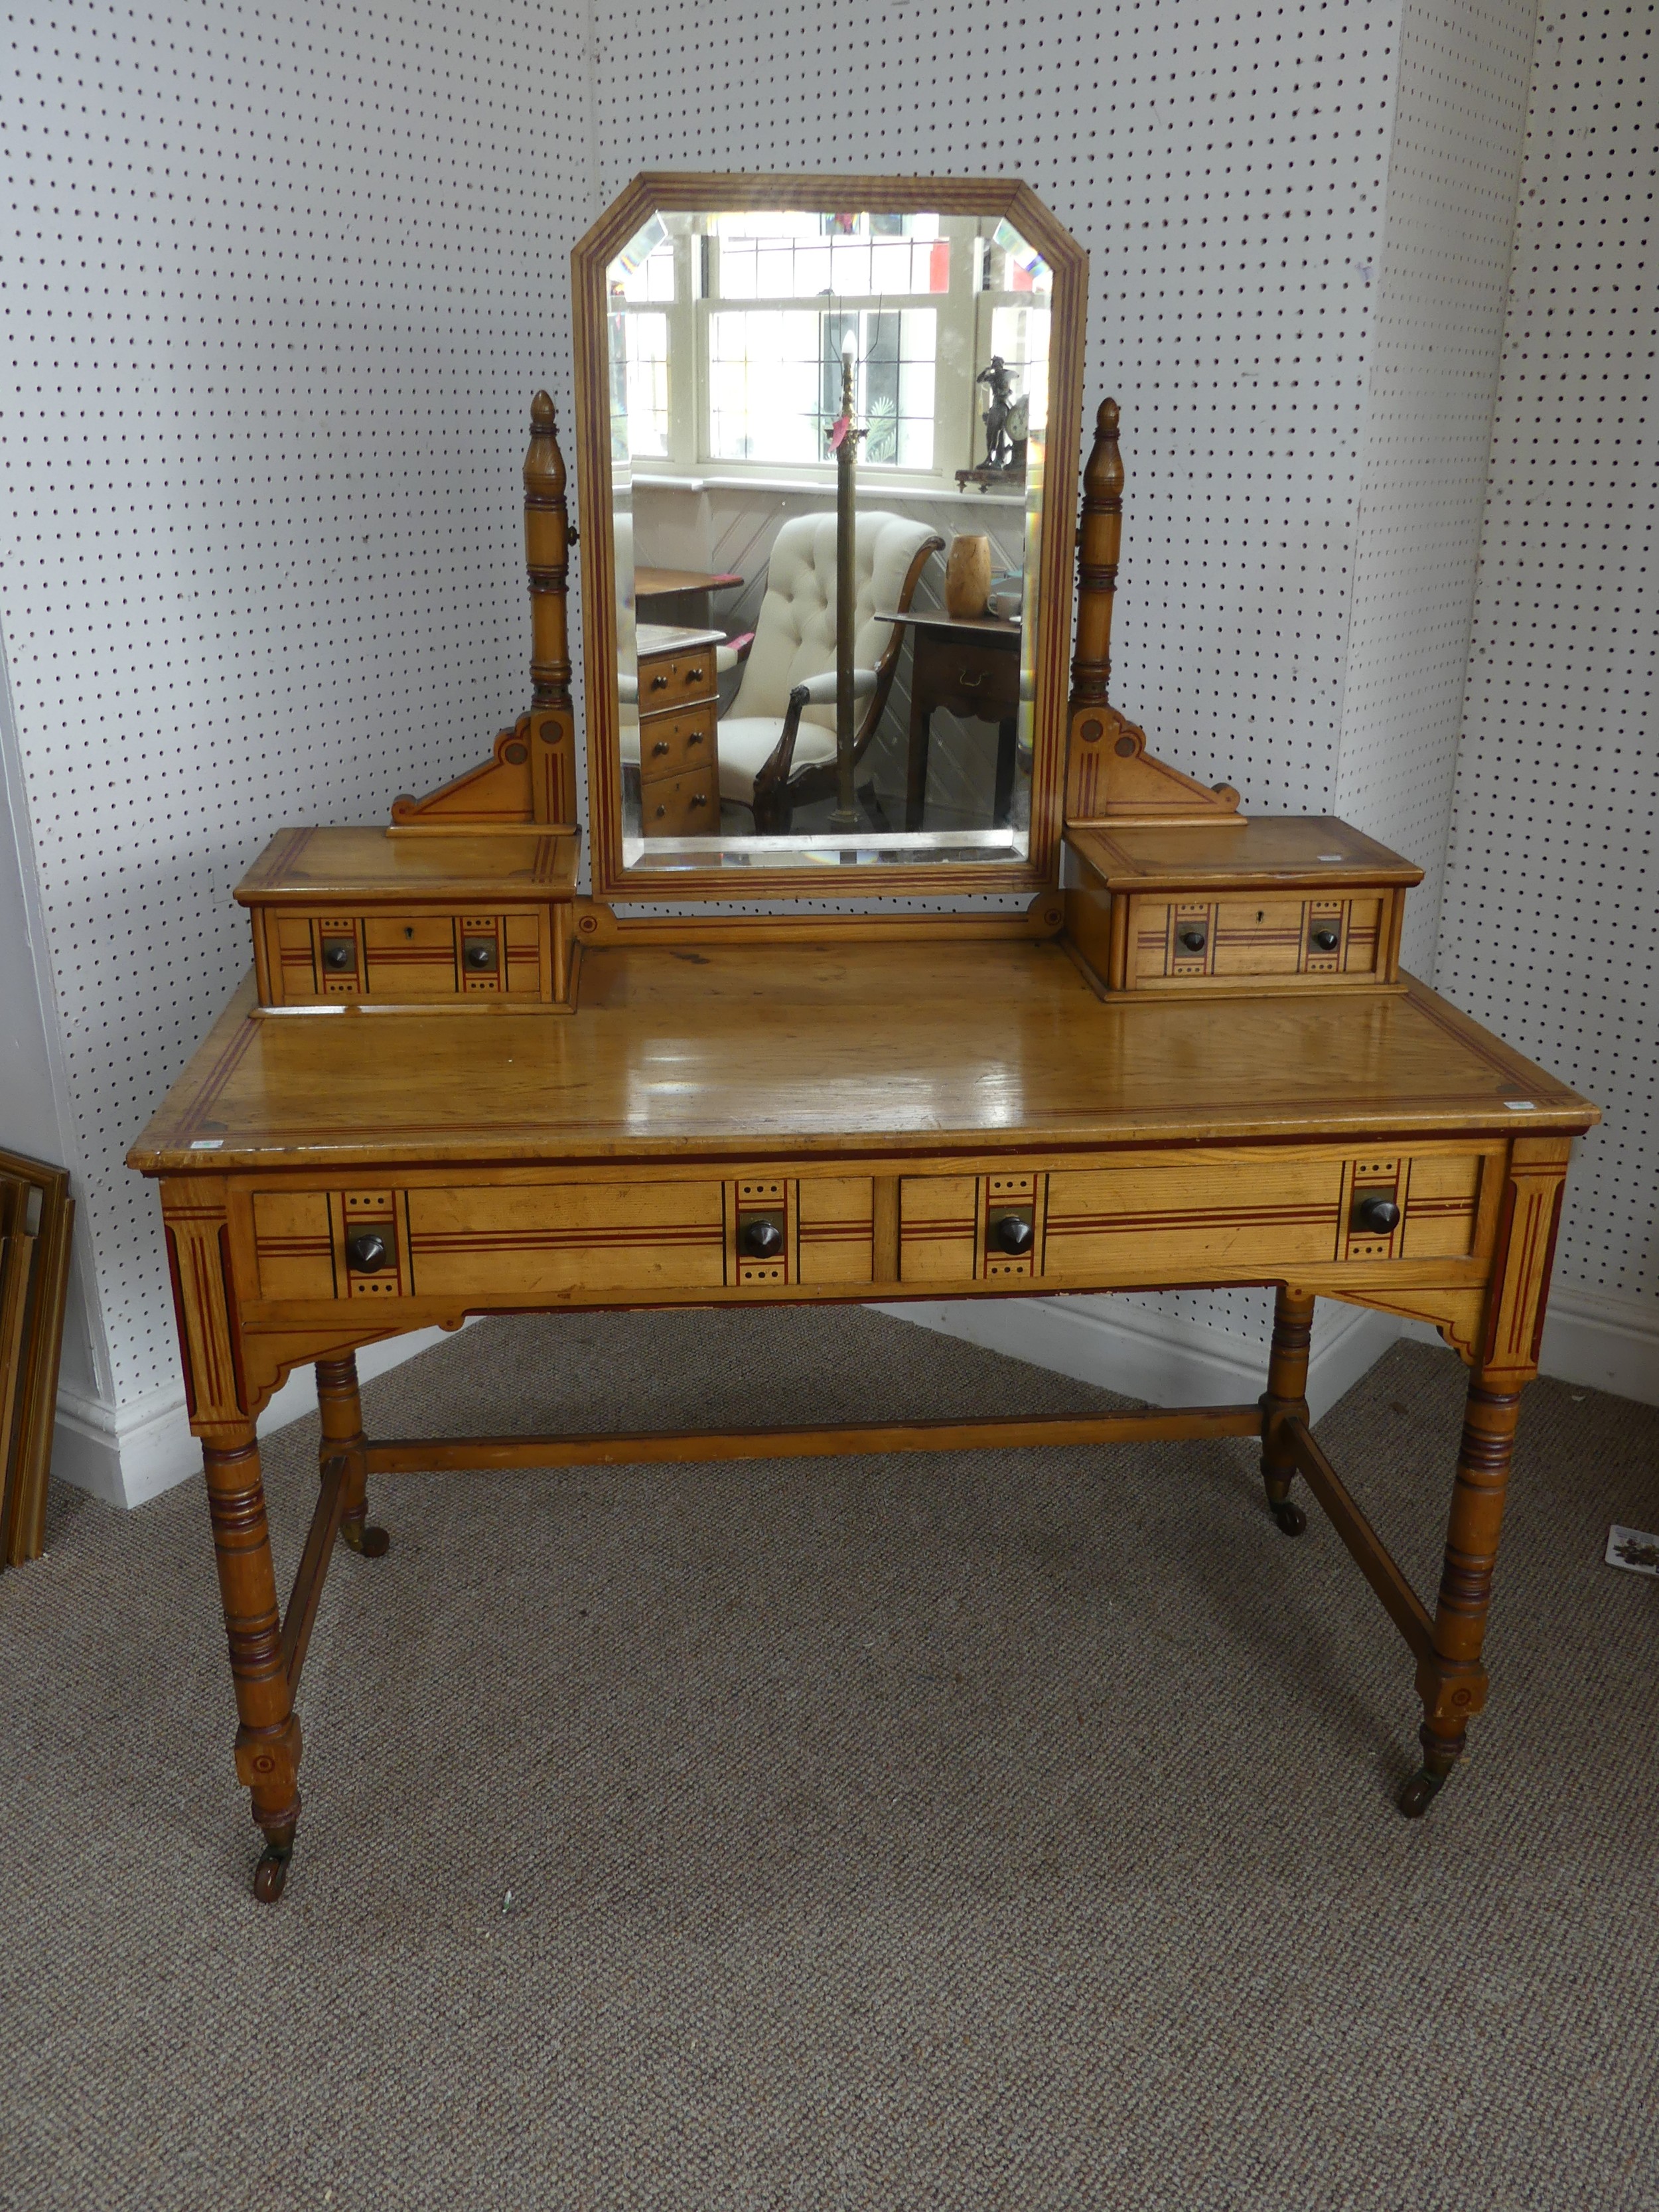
<point x="676" y="683"/>
<point x="681" y="806"/>
<point x="372" y="919"/>
<point x="672" y="743"/>
<point x="1221" y="940"/>
<point x="1236" y="908"/>
<point x="410" y="958"/>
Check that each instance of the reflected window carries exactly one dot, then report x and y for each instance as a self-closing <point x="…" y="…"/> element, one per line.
<point x="727" y="331"/>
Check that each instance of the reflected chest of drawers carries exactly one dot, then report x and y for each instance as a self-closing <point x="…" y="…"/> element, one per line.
<point x="679" y="750"/>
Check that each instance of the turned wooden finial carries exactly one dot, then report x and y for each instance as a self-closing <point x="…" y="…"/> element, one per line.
<point x="1110" y="775"/>
<point x="547" y="556"/>
<point x="1099" y="538"/>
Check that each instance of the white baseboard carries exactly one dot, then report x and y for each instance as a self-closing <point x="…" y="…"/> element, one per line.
<point x="1597" y="1341"/>
<point x="1154" y="1357"/>
<point x="1602" y="1343"/>
<point x="132" y="1455"/>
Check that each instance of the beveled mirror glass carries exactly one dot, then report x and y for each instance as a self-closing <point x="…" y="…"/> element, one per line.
<point x="828" y="454"/>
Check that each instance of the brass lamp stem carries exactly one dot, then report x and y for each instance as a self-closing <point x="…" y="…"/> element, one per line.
<point x="846" y="815"/>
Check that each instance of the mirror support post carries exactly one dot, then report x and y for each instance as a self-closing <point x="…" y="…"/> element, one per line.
<point x="1099" y="540"/>
<point x="547" y="540"/>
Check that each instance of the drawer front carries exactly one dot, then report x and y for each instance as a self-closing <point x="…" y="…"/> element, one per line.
<point x="962" y="1228"/>
<point x="1237" y="1214"/>
<point x="416" y="957"/>
<point x="673" y="745"/>
<point x="836" y="1227"/>
<point x="498" y="1243"/>
<point x="411" y="957"/>
<point x="681" y="806"/>
<point x="1232" y="1218"/>
<point x="967" y="679"/>
<point x="1197" y="942"/>
<point x="1237" y="1217"/>
<point x="676" y="683"/>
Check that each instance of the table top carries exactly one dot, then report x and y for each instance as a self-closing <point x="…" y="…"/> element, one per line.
<point x="1274" y="852"/>
<point x="652" y="640"/>
<point x="860" y="1048"/>
<point x="657" y="583"/>
<point x="998" y="629"/>
<point x="377" y="866"/>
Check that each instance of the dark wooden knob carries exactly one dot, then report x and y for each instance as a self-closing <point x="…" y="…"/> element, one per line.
<point x="661" y="746"/>
<point x="479" y="952"/>
<point x="1194" y="940"/>
<point x="338" y="953"/>
<point x="659" y="683"/>
<point x="761" y="1239"/>
<point x="694" y="676"/>
<point x="366" y="1252"/>
<point x="700" y="799"/>
<point x="1011" y="1233"/>
<point x="1325" y="938"/>
<point x="695" y="738"/>
<point x="1378" y="1215"/>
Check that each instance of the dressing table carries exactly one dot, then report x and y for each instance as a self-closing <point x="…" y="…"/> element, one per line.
<point x="457" y="1083"/>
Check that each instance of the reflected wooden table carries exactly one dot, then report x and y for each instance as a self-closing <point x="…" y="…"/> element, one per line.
<point x="968" y="666"/>
<point x="681" y="595"/>
<point x="945" y="1111"/>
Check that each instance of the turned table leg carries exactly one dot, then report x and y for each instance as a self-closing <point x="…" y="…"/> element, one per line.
<point x="268" y="1740"/>
<point x="342" y="1415"/>
<point x="1285" y="1399"/>
<point x="1451" y="1680"/>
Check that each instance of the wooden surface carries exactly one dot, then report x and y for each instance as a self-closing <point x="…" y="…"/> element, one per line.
<point x="662" y="583"/>
<point x="1269" y="851"/>
<point x="374" y="868"/>
<point x="983" y="1046"/>
<point x="994" y="627"/>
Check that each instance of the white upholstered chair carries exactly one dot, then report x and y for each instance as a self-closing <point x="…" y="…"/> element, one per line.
<point x="777" y="742"/>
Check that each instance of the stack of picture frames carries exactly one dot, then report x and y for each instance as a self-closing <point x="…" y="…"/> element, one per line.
<point x="37" y="1215"/>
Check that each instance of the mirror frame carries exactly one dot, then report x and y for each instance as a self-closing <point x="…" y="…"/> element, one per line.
<point x="681" y="192"/>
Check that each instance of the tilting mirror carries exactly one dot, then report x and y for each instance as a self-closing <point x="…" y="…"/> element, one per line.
<point x="831" y="524"/>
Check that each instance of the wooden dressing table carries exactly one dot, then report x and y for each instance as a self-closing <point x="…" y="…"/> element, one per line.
<point x="719" y="1107"/>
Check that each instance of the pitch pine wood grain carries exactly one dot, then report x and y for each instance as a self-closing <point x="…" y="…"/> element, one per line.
<point x="981" y="1048"/>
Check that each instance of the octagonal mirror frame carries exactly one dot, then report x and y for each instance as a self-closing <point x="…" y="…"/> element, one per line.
<point x="666" y="192"/>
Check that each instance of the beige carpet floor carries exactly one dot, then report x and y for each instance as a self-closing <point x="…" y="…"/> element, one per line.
<point x="981" y="1831"/>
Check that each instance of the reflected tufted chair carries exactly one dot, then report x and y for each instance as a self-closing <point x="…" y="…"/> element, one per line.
<point x="777" y="743"/>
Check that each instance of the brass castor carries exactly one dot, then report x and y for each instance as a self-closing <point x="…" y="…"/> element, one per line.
<point x="1420" y="1792"/>
<point x="1288" y="1517"/>
<point x="271" y="1873"/>
<point x="367" y="1541"/>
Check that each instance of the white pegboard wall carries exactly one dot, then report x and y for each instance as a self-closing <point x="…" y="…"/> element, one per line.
<point x="1443" y="285"/>
<point x="278" y="283"/>
<point x="1548" y="931"/>
<point x="1225" y="168"/>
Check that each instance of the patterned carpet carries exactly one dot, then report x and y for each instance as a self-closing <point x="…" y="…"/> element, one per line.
<point x="999" y="1829"/>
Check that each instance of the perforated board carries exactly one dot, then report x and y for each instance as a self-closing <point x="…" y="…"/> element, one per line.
<point x="1443" y="284"/>
<point x="279" y="283"/>
<point x="1549" y="930"/>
